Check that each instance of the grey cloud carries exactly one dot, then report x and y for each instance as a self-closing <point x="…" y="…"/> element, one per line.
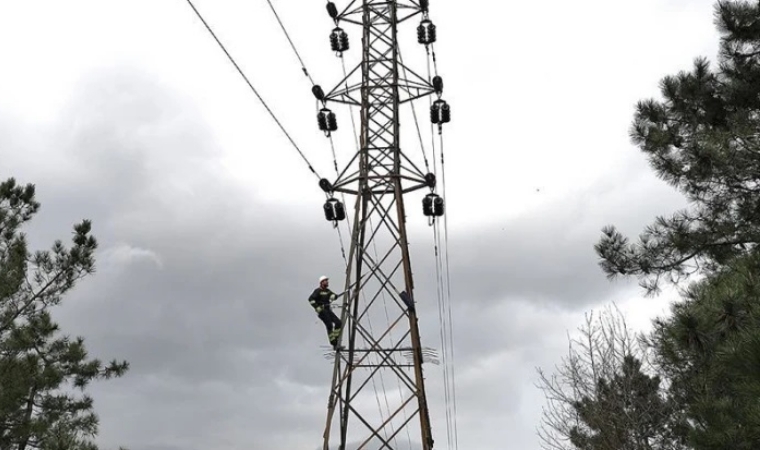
<point x="544" y="257"/>
<point x="208" y="301"/>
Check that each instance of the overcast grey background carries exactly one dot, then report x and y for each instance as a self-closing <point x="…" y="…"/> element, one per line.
<point x="211" y="232"/>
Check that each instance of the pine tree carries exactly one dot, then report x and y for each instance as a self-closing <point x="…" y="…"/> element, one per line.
<point x="704" y="139"/>
<point x="709" y="349"/>
<point x="628" y="412"/>
<point x="43" y="374"/>
<point x="604" y="397"/>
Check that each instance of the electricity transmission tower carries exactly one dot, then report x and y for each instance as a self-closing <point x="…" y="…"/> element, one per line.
<point x="380" y="341"/>
<point x="379" y="287"/>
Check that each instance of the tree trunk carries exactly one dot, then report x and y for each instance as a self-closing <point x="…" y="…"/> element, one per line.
<point x="28" y="420"/>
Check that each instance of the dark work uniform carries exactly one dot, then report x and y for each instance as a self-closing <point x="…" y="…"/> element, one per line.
<point x="320" y="301"/>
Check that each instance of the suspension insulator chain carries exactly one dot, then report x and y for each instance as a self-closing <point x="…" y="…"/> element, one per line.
<point x="438" y="85"/>
<point x="426" y="32"/>
<point x="332" y="10"/>
<point x="325" y="118"/>
<point x="433" y="205"/>
<point x="338" y="37"/>
<point x="440" y="113"/>
<point x="334" y="209"/>
<point x="327" y="121"/>
<point x="339" y="41"/>
<point x="430" y="181"/>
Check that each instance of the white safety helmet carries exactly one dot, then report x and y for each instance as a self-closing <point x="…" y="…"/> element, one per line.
<point x="323" y="278"/>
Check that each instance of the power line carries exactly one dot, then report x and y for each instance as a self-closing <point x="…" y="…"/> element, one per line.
<point x="444" y="284"/>
<point x="448" y="290"/>
<point x="240" y="71"/>
<point x="287" y="35"/>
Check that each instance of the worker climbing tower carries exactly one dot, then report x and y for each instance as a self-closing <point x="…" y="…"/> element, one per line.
<point x="380" y="342"/>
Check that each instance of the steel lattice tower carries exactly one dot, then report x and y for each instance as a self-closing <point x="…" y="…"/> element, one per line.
<point x="379" y="287"/>
<point x="378" y="268"/>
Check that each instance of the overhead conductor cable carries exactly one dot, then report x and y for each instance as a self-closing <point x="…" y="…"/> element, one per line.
<point x="240" y="71"/>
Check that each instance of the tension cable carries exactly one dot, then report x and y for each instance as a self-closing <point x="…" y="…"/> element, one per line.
<point x="240" y="71"/>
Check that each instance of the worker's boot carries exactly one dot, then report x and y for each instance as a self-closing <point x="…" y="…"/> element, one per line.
<point x="334" y="338"/>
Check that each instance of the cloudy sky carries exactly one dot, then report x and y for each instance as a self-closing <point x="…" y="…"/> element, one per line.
<point x="126" y="112"/>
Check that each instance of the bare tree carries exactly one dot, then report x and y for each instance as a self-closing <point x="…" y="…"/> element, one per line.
<point x="604" y="394"/>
